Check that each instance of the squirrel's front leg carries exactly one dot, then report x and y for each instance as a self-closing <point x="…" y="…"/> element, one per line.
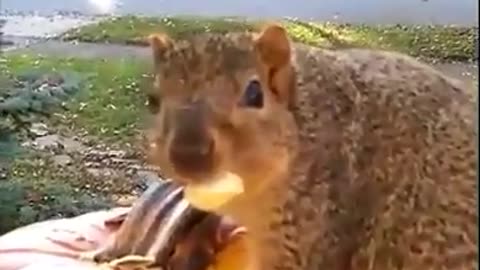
<point x="234" y="256"/>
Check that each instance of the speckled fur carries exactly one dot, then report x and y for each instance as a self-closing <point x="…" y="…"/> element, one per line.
<point x="381" y="158"/>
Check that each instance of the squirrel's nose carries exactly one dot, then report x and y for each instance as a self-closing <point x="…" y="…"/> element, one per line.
<point x="192" y="156"/>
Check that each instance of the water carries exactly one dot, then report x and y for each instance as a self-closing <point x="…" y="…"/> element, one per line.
<point x="38" y="26"/>
<point x="459" y="12"/>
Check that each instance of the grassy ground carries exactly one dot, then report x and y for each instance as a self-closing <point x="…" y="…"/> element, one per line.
<point x="108" y="111"/>
<point x="37" y="190"/>
<point x="430" y="42"/>
<point x="111" y="105"/>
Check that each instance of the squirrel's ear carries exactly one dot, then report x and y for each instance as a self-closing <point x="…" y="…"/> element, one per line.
<point x="273" y="46"/>
<point x="159" y="43"/>
<point x="273" y="50"/>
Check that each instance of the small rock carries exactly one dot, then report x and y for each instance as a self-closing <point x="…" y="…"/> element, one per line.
<point x="62" y="160"/>
<point x="100" y="172"/>
<point x="39" y="129"/>
<point x="130" y="172"/>
<point x="123" y="161"/>
<point x="115" y="160"/>
<point x="71" y="145"/>
<point x="3" y="173"/>
<point x="93" y="155"/>
<point x="134" y="167"/>
<point x="117" y="153"/>
<point x="47" y="142"/>
<point x="90" y="164"/>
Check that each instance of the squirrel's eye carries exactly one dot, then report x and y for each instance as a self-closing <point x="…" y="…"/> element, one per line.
<point x="253" y="96"/>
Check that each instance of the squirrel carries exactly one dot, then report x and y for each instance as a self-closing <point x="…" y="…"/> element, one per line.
<point x="350" y="159"/>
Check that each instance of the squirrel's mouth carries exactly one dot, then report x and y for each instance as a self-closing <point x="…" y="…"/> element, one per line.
<point x="188" y="177"/>
<point x="198" y="173"/>
<point x="212" y="194"/>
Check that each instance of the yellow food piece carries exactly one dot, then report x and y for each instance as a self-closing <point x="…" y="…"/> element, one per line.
<point x="212" y="194"/>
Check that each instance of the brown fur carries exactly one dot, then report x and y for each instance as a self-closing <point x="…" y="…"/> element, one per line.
<point x="359" y="159"/>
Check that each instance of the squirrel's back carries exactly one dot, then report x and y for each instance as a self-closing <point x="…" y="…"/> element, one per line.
<point x="385" y="175"/>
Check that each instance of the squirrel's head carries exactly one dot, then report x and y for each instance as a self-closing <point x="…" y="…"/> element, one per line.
<point x="224" y="104"/>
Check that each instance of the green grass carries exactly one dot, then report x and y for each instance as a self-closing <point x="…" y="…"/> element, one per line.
<point x="110" y="106"/>
<point x="130" y="29"/>
<point x="37" y="190"/>
<point x="429" y="42"/>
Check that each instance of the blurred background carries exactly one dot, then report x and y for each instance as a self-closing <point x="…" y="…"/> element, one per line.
<point x="460" y="12"/>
